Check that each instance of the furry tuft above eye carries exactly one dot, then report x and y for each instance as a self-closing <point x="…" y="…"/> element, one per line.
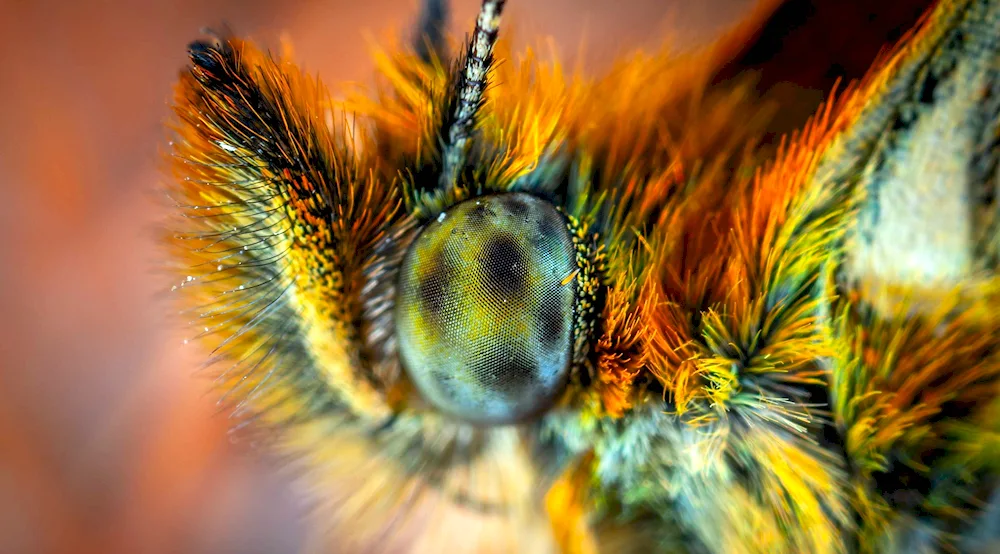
<point x="468" y="94"/>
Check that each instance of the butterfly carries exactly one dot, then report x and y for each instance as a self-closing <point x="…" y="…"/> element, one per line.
<point x="508" y="307"/>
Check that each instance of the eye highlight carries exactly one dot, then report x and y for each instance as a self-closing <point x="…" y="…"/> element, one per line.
<point x="485" y="309"/>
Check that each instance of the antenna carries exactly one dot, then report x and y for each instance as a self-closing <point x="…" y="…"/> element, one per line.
<point x="469" y="92"/>
<point x="429" y="40"/>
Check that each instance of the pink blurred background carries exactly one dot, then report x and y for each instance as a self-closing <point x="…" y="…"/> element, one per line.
<point x="107" y="442"/>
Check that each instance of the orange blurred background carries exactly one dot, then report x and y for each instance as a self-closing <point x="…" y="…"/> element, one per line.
<point x="107" y="442"/>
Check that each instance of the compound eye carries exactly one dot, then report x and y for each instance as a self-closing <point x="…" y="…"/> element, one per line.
<point x="484" y="312"/>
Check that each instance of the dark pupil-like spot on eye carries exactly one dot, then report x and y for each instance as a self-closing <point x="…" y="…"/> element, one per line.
<point x="433" y="288"/>
<point x="481" y="214"/>
<point x="551" y="322"/>
<point x="504" y="268"/>
<point x="520" y="375"/>
<point x="516" y="206"/>
<point x="506" y="374"/>
<point x="547" y="227"/>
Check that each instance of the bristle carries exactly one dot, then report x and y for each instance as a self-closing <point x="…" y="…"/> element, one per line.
<point x="620" y="352"/>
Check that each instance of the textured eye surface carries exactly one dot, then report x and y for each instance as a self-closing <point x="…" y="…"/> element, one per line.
<point x="485" y="308"/>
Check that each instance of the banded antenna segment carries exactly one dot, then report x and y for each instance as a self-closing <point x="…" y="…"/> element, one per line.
<point x="469" y="92"/>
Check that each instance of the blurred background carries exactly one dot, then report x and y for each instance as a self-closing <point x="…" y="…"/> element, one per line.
<point x="107" y="442"/>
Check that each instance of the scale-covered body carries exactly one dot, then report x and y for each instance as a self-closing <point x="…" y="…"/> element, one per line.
<point x="507" y="307"/>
